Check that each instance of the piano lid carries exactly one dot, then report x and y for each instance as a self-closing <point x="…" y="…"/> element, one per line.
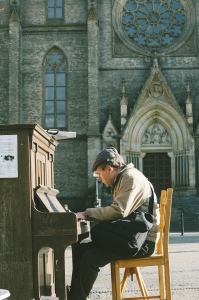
<point x="46" y="201"/>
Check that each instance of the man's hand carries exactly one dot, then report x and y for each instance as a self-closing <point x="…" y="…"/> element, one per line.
<point x="81" y="215"/>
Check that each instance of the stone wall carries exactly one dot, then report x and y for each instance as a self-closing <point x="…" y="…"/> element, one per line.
<point x="87" y="47"/>
<point x="71" y="39"/>
<point x="73" y="44"/>
<point x="71" y="173"/>
<point x="4" y="76"/>
<point x="34" y="13"/>
<point x="4" y="13"/>
<point x="189" y="207"/>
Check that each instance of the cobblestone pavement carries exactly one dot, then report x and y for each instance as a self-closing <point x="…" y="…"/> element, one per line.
<point x="184" y="269"/>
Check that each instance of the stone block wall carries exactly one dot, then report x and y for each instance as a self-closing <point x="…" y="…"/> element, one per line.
<point x="188" y="206"/>
<point x="4" y="13"/>
<point x="38" y="36"/>
<point x="34" y="13"/>
<point x="71" y="173"/>
<point x="35" y="48"/>
<point x="4" y="76"/>
<point x="94" y="82"/>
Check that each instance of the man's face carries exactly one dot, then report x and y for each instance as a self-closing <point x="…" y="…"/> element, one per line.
<point x="107" y="176"/>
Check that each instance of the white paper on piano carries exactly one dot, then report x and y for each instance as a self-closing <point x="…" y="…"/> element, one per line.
<point x="8" y="156"/>
<point x="47" y="199"/>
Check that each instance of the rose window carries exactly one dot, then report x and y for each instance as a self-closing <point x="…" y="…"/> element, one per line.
<point x="153" y="23"/>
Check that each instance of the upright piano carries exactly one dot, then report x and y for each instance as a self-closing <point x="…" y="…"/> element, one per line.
<point x="32" y="219"/>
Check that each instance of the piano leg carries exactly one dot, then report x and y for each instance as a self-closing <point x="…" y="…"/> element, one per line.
<point x="60" y="285"/>
<point x="67" y="291"/>
<point x="36" y="288"/>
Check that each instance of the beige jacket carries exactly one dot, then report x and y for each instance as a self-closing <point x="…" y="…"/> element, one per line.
<point x="130" y="193"/>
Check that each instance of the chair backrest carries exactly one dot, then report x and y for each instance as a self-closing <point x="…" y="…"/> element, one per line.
<point x="165" y="216"/>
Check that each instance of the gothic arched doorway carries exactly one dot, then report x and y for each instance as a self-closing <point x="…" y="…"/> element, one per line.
<point x="157" y="168"/>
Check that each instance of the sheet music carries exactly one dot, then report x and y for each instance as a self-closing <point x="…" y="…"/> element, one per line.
<point x="8" y="156"/>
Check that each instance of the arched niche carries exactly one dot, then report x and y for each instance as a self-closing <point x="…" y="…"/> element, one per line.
<point x="180" y="147"/>
<point x="162" y="113"/>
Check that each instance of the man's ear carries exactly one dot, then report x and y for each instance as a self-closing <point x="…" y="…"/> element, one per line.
<point x="110" y="169"/>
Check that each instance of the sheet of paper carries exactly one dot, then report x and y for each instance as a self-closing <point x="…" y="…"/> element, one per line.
<point x="8" y="156"/>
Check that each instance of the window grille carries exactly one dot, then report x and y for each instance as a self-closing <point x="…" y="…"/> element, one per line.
<point x="154" y="23"/>
<point x="55" y="90"/>
<point x="55" y="9"/>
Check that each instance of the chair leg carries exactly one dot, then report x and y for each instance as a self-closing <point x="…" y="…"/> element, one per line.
<point x="124" y="280"/>
<point x="167" y="281"/>
<point x="113" y="282"/>
<point x="141" y="282"/>
<point x="161" y="281"/>
<point x="115" y="279"/>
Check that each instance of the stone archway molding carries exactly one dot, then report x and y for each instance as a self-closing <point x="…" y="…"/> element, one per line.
<point x="162" y="113"/>
<point x="157" y="105"/>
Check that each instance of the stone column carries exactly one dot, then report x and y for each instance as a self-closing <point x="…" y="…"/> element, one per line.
<point x="14" y="68"/>
<point x="189" y="105"/>
<point x="182" y="169"/>
<point x="123" y="105"/>
<point x="94" y="137"/>
<point x="133" y="157"/>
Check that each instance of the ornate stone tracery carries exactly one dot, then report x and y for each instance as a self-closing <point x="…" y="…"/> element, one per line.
<point x="145" y="26"/>
<point x="156" y="134"/>
<point x="157" y="124"/>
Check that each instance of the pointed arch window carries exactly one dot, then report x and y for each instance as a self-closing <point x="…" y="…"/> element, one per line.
<point x="55" y="89"/>
<point x="55" y="9"/>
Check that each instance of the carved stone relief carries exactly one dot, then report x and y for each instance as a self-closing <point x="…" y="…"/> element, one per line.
<point x="156" y="90"/>
<point x="156" y="134"/>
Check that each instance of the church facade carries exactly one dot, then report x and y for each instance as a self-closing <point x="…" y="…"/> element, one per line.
<point x="121" y="73"/>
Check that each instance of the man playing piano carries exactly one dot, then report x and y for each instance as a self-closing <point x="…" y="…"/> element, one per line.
<point x="131" y="192"/>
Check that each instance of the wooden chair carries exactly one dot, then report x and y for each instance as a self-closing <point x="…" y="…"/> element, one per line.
<point x="161" y="260"/>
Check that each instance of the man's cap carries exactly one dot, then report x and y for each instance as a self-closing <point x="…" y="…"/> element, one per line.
<point x="110" y="156"/>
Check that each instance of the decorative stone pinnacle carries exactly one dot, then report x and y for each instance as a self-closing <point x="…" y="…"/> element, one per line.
<point x="14" y="3"/>
<point x="188" y="91"/>
<point x="155" y="62"/>
<point x="109" y="112"/>
<point x="123" y="85"/>
<point x="92" y="14"/>
<point x="188" y="84"/>
<point x="124" y="99"/>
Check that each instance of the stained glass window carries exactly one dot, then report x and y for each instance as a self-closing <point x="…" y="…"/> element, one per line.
<point x="153" y="23"/>
<point x="55" y="90"/>
<point x="55" y="9"/>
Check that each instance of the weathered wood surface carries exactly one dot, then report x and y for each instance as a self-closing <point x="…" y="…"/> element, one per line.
<point x="23" y="229"/>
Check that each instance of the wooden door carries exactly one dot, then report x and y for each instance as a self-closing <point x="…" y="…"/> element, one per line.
<point x="157" y="168"/>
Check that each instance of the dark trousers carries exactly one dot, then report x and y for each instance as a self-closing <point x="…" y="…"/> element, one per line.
<point x="87" y="261"/>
